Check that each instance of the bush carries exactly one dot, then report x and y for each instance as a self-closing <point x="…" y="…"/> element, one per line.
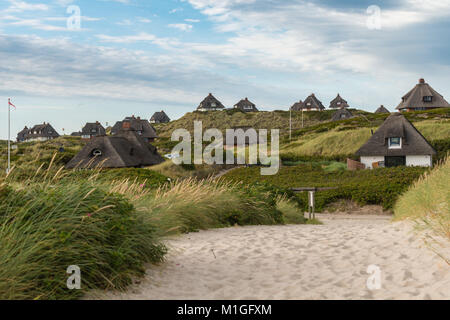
<point x="48" y="227"/>
<point x="379" y="186"/>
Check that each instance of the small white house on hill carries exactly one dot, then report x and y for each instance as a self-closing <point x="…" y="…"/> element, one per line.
<point x="396" y="143"/>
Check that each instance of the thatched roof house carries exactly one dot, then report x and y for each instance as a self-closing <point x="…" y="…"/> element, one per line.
<point x="141" y="126"/>
<point x="422" y="97"/>
<point x="160" y="117"/>
<point x="382" y="109"/>
<point x="210" y="103"/>
<point x="312" y="104"/>
<point x="21" y="136"/>
<point x="338" y="103"/>
<point x="125" y="149"/>
<point x="396" y="142"/>
<point x="246" y="106"/>
<point x="341" y="114"/>
<point x="39" y="132"/>
<point x="92" y="129"/>
<point x="298" y="106"/>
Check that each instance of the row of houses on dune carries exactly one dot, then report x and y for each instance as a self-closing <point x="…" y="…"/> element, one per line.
<point x="421" y="97"/>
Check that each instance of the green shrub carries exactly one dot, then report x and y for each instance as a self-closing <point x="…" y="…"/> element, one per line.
<point x="47" y="227"/>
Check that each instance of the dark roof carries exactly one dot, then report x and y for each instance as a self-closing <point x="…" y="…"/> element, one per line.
<point x="209" y="102"/>
<point x="21" y="136"/>
<point x="338" y="102"/>
<point x="76" y="134"/>
<point x="341" y="114"/>
<point x="160" y="117"/>
<point x="246" y="105"/>
<point x="298" y="106"/>
<point x="125" y="149"/>
<point x="312" y="102"/>
<point x="44" y="130"/>
<point x="141" y="126"/>
<point x="396" y="125"/>
<point x="415" y="98"/>
<point x="94" y="129"/>
<point x="382" y="109"/>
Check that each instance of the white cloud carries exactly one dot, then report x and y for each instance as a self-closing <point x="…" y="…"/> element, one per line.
<point x="192" y="20"/>
<point x="20" y="6"/>
<point x="181" y="26"/>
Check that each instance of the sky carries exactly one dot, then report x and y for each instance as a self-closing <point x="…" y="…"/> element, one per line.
<point x="69" y="62"/>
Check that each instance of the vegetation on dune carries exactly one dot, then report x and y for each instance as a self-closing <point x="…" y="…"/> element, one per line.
<point x="49" y="225"/>
<point x="343" y="141"/>
<point x="427" y="201"/>
<point x="110" y="222"/>
<point x="380" y="186"/>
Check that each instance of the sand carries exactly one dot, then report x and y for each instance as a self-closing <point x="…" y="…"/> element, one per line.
<point x="327" y="261"/>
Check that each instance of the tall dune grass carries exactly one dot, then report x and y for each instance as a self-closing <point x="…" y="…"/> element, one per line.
<point x="428" y="201"/>
<point x="192" y="205"/>
<point x="51" y="219"/>
<point x="46" y="227"/>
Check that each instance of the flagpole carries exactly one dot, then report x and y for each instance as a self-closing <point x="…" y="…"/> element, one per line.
<point x="9" y="136"/>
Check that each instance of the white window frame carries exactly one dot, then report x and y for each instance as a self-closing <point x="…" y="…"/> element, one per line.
<point x="395" y="146"/>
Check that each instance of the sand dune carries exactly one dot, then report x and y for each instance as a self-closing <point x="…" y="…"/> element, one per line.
<point x="327" y="261"/>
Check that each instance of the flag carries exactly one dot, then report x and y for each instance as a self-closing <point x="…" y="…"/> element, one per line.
<point x="10" y="104"/>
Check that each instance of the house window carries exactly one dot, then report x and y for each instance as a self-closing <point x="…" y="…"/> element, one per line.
<point x="395" y="143"/>
<point x="427" y="98"/>
<point x="213" y="104"/>
<point x="338" y="103"/>
<point x="247" y="107"/>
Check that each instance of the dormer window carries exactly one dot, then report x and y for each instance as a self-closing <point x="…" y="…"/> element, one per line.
<point x="395" y="143"/>
<point x="96" y="153"/>
<point x="427" y="99"/>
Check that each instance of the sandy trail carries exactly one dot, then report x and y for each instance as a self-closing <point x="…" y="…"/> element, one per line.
<point x="327" y="261"/>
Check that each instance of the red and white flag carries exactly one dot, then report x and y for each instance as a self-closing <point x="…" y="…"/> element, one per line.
<point x="10" y="104"/>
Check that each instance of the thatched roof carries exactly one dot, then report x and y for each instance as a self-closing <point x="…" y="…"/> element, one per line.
<point x="21" y="136"/>
<point x="246" y="105"/>
<point x="313" y="103"/>
<point x="382" y="109"/>
<point x="160" y="117"/>
<point x="210" y="103"/>
<point x="141" y="126"/>
<point x="341" y="114"/>
<point x="44" y="130"/>
<point x="415" y="99"/>
<point x="338" y="102"/>
<point x="76" y="134"/>
<point x="125" y="149"/>
<point x="396" y="126"/>
<point x="298" y="106"/>
<point x="93" y="129"/>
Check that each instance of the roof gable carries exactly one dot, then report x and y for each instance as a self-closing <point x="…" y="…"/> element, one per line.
<point x="338" y="102"/>
<point x="126" y="149"/>
<point x="415" y="98"/>
<point x="210" y="102"/>
<point x="396" y="126"/>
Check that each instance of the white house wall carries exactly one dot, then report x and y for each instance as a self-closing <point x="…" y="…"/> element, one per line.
<point x="419" y="161"/>
<point x="369" y="160"/>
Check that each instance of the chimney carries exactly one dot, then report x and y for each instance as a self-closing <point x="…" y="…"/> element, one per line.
<point x="126" y="125"/>
<point x="139" y="118"/>
<point x="96" y="122"/>
<point x="246" y="99"/>
<point x="421" y="80"/>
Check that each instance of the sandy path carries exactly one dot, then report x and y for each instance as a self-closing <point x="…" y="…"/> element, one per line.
<point x="327" y="261"/>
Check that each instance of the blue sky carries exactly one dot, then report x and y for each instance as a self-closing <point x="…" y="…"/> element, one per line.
<point x="138" y="57"/>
